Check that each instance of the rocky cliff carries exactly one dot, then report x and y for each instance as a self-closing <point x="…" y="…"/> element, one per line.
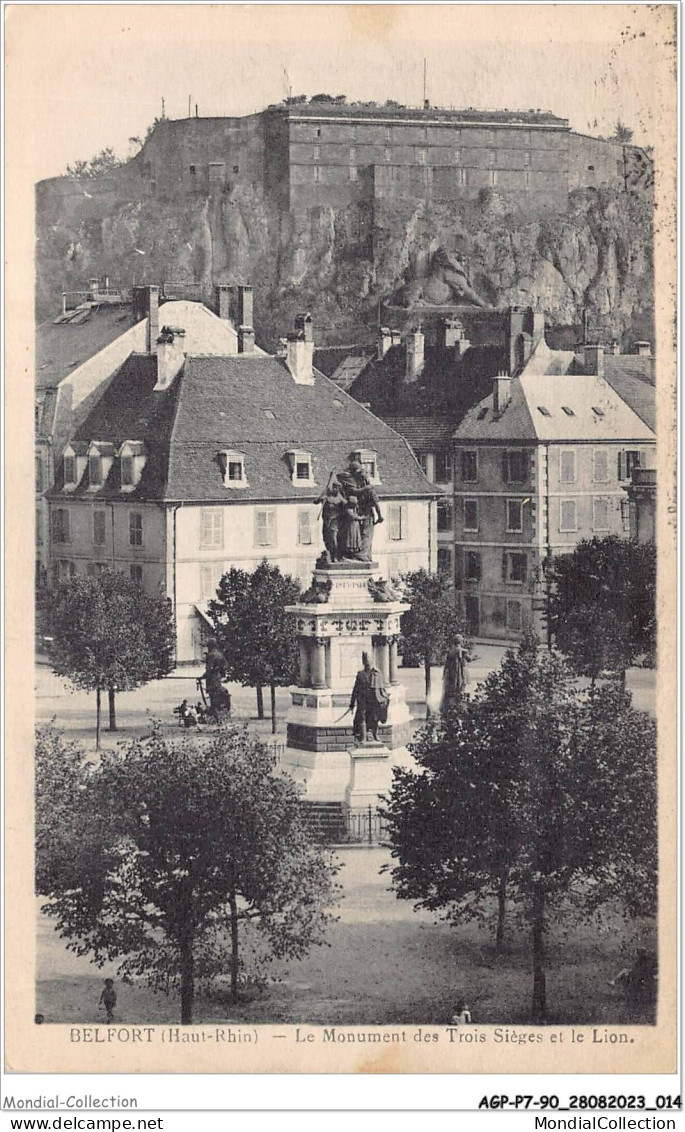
<point x="596" y="257"/>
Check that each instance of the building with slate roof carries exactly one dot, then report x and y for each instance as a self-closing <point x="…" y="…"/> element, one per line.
<point x="541" y="463"/>
<point x="189" y="463"/>
<point x="79" y="352"/>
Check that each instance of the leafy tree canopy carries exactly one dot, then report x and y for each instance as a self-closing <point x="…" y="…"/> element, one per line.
<point x="98" y="166"/>
<point x="252" y="627"/>
<point x="185" y="844"/>
<point x="533" y="791"/>
<point x="602" y="605"/>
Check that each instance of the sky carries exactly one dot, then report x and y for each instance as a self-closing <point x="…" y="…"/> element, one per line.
<point x="84" y="77"/>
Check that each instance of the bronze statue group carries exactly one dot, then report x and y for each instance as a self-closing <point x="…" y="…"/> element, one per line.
<point x="349" y="510"/>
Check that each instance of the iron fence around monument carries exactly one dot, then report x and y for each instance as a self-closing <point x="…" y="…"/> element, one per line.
<point x="334" y="823"/>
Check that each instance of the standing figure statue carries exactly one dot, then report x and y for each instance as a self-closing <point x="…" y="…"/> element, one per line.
<point x="332" y="505"/>
<point x="215" y="673"/>
<point x="455" y="674"/>
<point x="350" y="510"/>
<point x="371" y="701"/>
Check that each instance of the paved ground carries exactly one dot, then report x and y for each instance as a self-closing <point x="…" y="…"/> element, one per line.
<point x="385" y="964"/>
<point x="74" y="711"/>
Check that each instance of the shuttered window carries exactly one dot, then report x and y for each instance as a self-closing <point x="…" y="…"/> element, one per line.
<point x="567" y="465"/>
<point x="211" y="527"/>
<point x="600" y="465"/>
<point x="514" y="616"/>
<point x="265" y="527"/>
<point x="514" y="567"/>
<point x="397" y="516"/>
<point x="568" y="519"/>
<point x="60" y="525"/>
<point x="99" y="528"/>
<point x="600" y="514"/>
<point x="304" y="528"/>
<point x="515" y="465"/>
<point x="444" y="515"/>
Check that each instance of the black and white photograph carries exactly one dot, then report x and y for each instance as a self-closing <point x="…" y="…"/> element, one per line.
<point x="340" y="621"/>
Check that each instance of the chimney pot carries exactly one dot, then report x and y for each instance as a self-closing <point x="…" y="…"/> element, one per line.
<point x="170" y="355"/>
<point x="245" y="305"/>
<point x="299" y="351"/>
<point x="245" y="340"/>
<point x="223" y="301"/>
<point x="501" y="392"/>
<point x="414" y="343"/>
<point x="644" y="349"/>
<point x="146" y="305"/>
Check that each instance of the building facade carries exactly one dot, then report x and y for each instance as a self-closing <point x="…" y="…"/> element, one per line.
<point x="189" y="464"/>
<point x="539" y="465"/>
<point x="322" y="152"/>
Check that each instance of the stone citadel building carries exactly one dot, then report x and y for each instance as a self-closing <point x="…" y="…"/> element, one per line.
<point x="320" y="152"/>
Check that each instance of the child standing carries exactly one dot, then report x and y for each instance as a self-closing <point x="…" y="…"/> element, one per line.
<point x="108" y="999"/>
<point x="462" y="1014"/>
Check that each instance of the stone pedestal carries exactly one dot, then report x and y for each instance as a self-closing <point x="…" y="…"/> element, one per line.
<point x="343" y="620"/>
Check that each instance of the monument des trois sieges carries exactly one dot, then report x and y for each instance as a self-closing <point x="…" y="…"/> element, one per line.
<point x="348" y="722"/>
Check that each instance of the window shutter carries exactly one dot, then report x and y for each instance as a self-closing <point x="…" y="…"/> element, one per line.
<point x="72" y="569"/>
<point x="477" y="563"/>
<point x="622" y="466"/>
<point x="505" y="467"/>
<point x="505" y="564"/>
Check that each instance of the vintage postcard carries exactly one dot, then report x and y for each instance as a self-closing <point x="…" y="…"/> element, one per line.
<point x="340" y="601"/>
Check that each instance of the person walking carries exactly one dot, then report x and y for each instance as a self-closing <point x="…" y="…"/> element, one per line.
<point x="108" y="999"/>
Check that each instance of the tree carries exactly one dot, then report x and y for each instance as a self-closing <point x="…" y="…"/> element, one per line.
<point x="254" y="631"/>
<point x="98" y="166"/>
<point x="602" y="605"/>
<point x="622" y="133"/>
<point x="107" y="633"/>
<point x="434" y="620"/>
<point x="186" y="846"/>
<point x="536" y="783"/>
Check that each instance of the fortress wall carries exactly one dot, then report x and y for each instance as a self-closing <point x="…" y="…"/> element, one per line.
<point x="594" y="162"/>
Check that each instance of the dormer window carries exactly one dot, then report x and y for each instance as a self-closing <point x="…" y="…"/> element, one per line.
<point x="301" y="471"/>
<point x="132" y="459"/>
<point x="100" y="457"/>
<point x="369" y="463"/>
<point x="74" y="460"/>
<point x="95" y="471"/>
<point x="233" y="468"/>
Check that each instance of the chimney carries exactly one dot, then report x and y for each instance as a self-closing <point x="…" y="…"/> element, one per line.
<point x="299" y="351"/>
<point x="245" y="340"/>
<point x="146" y="305"/>
<point x="612" y="349"/>
<point x="643" y="349"/>
<point x="414" y="343"/>
<point x="245" y="316"/>
<point x="501" y="392"/>
<point x="170" y="356"/>
<point x="223" y="301"/>
<point x="593" y="360"/>
<point x="452" y="336"/>
<point x="384" y="341"/>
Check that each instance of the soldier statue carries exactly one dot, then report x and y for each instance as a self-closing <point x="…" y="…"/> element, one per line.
<point x="216" y="671"/>
<point x="371" y="701"/>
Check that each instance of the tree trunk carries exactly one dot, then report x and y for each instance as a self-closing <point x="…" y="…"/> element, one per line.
<point x="260" y="702"/>
<point x="622" y="678"/>
<point x="97" y="719"/>
<point x="273" y="709"/>
<point x="187" y="982"/>
<point x="539" y="982"/>
<point x="112" y="709"/>
<point x="233" y="905"/>
<point x="501" y="911"/>
<point x="427" y="676"/>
